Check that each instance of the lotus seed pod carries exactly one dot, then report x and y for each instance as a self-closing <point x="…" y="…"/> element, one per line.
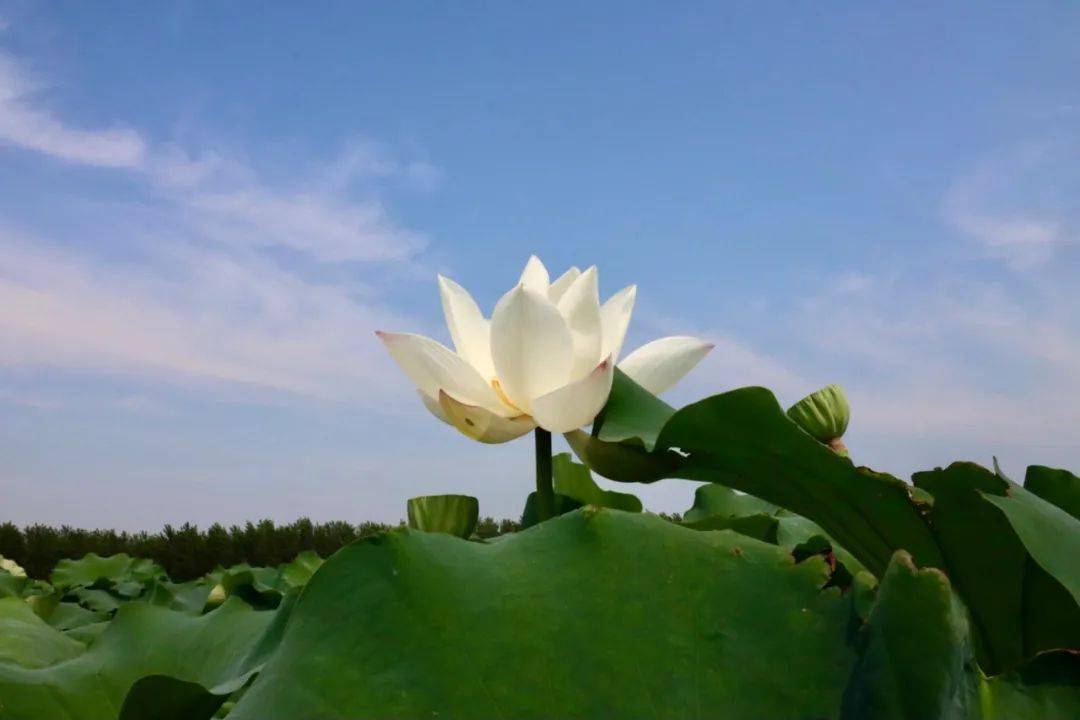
<point x="824" y="415"/>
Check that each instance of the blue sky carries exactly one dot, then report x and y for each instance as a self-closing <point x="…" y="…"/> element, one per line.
<point x="208" y="208"/>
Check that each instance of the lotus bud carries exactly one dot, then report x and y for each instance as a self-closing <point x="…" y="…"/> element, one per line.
<point x="11" y="567"/>
<point x="217" y="596"/>
<point x="824" y="415"/>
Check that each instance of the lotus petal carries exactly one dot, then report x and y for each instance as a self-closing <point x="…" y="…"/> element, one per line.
<point x="658" y="365"/>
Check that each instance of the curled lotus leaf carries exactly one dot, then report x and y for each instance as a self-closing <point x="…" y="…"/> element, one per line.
<point x="451" y="514"/>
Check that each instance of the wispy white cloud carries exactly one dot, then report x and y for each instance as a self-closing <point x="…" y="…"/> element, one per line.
<point x="325" y="227"/>
<point x="26" y="123"/>
<point x="1023" y="242"/>
<point x="315" y="213"/>
<point x="940" y="364"/>
<point x="950" y="364"/>
<point x="1005" y="207"/>
<point x="189" y="313"/>
<point x="224" y="198"/>
<point x="363" y="159"/>
<point x="199" y="296"/>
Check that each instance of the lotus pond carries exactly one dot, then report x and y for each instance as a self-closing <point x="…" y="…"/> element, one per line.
<point x="798" y="585"/>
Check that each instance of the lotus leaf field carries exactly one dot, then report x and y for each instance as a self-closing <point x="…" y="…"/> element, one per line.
<point x="799" y="585"/>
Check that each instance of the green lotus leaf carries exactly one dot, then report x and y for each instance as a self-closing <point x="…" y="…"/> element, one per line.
<point x="1046" y="688"/>
<point x="189" y="597"/>
<point x="717" y="507"/>
<point x="68" y="616"/>
<point x="625" y="462"/>
<point x="1050" y="534"/>
<point x="632" y="414"/>
<point x="1059" y="487"/>
<point x="824" y="414"/>
<point x="88" y="634"/>
<point x="99" y="601"/>
<point x="574" y="488"/>
<point x="257" y="586"/>
<point x="1016" y="611"/>
<point x="115" y="570"/>
<point x="297" y="573"/>
<point x="452" y="514"/>
<point x="720" y="508"/>
<point x="761" y="526"/>
<point x="916" y="661"/>
<point x="574" y="480"/>
<point x="219" y="650"/>
<point x="719" y="501"/>
<point x="744" y="440"/>
<point x="12" y="585"/>
<point x="915" y="650"/>
<point x="162" y="697"/>
<point x="531" y="514"/>
<point x="27" y="641"/>
<point x="597" y="613"/>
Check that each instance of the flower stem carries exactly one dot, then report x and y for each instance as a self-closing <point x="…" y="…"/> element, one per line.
<point x="545" y="495"/>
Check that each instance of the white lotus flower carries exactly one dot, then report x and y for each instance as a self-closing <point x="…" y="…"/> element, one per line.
<point x="545" y="359"/>
<point x="11" y="567"/>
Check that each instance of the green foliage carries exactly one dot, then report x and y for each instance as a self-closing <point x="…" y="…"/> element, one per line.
<point x="597" y="613"/>
<point x="28" y="641"/>
<point x="296" y="574"/>
<point x="914" y="656"/>
<point x="743" y="439"/>
<point x="797" y="585"/>
<point x="574" y="487"/>
<point x="1059" y="487"/>
<point x="163" y="697"/>
<point x="916" y="662"/>
<point x="712" y="501"/>
<point x="1010" y="552"/>
<point x="186" y="553"/>
<point x="717" y="507"/>
<point x="573" y="480"/>
<point x="487" y="527"/>
<point x="989" y="564"/>
<point x="219" y="651"/>
<point x="121" y="572"/>
<point x="1049" y="534"/>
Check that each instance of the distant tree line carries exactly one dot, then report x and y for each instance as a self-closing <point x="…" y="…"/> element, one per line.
<point x="187" y="552"/>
